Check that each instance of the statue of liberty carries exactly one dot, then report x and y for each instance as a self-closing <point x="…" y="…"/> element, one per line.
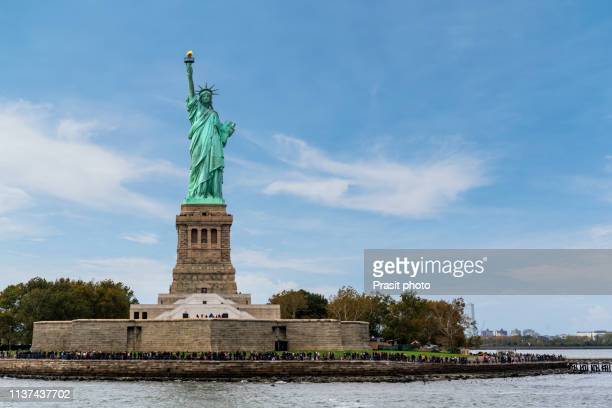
<point x="208" y="137"/>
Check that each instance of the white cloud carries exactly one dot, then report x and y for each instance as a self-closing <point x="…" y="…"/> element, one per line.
<point x="76" y="130"/>
<point x="10" y="229"/>
<point x="261" y="286"/>
<point x="597" y="317"/>
<point x="146" y="276"/>
<point x="325" y="190"/>
<point x="38" y="160"/>
<point x="12" y="198"/>
<point x="378" y="185"/>
<point x="145" y="238"/>
<point x="600" y="231"/>
<point x="253" y="260"/>
<point x="598" y="313"/>
<point x="124" y="264"/>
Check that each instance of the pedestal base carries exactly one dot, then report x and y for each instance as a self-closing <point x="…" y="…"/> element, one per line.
<point x="203" y="263"/>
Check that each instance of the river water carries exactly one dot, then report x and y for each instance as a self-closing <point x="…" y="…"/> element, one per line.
<point x="568" y="390"/>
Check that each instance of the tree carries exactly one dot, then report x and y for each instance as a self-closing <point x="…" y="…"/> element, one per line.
<point x="316" y="306"/>
<point x="300" y="304"/>
<point x="348" y="304"/>
<point x="408" y="320"/>
<point x="450" y="322"/>
<point x="9" y="329"/>
<point x="474" y="342"/>
<point x="376" y="312"/>
<point x="38" y="299"/>
<point x="291" y="302"/>
<point x="112" y="299"/>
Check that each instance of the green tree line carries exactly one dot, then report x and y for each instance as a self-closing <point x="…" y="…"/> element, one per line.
<point x="404" y="320"/>
<point x="38" y="299"/>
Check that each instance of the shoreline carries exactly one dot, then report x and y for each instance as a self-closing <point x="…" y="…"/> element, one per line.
<point x="502" y="348"/>
<point x="269" y="371"/>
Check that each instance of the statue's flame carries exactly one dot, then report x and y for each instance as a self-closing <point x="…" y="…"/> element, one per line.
<point x="189" y="54"/>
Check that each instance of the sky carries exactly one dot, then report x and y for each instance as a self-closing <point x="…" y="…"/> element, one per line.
<point x="359" y="125"/>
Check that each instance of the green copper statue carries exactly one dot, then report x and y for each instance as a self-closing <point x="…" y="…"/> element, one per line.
<point x="208" y="137"/>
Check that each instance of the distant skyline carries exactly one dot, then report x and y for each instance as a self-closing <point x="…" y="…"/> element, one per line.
<point x="359" y="125"/>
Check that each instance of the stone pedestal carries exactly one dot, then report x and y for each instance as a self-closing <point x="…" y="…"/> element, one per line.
<point x="203" y="263"/>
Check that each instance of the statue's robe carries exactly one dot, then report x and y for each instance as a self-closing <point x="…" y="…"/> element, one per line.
<point x="208" y="137"/>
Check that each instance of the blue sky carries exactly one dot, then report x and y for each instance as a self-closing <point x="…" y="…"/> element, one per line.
<point x="359" y="125"/>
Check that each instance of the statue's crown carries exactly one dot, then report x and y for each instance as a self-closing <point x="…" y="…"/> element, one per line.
<point x="208" y="88"/>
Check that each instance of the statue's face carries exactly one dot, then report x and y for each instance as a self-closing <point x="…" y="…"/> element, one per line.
<point x="206" y="98"/>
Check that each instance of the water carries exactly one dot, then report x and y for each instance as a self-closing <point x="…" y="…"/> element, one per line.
<point x="589" y="390"/>
<point x="568" y="390"/>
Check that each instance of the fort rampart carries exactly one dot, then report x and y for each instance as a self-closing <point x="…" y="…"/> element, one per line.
<point x="198" y="335"/>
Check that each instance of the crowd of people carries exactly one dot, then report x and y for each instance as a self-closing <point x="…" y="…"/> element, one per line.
<point x="481" y="358"/>
<point x="504" y="357"/>
<point x="212" y="316"/>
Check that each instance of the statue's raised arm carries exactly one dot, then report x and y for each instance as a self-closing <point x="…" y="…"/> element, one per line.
<point x="189" y="60"/>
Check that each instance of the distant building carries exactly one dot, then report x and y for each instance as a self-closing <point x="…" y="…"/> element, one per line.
<point x="547" y="337"/>
<point x="500" y="333"/>
<point x="530" y="333"/>
<point x="470" y="317"/>
<point x="592" y="334"/>
<point x="486" y="333"/>
<point x="515" y="333"/>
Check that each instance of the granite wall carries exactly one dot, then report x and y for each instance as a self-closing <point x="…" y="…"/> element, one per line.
<point x="118" y="335"/>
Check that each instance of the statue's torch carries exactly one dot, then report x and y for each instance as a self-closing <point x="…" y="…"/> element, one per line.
<point x="189" y="57"/>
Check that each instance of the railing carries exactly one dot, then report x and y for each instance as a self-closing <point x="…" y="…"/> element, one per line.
<point x="584" y="367"/>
